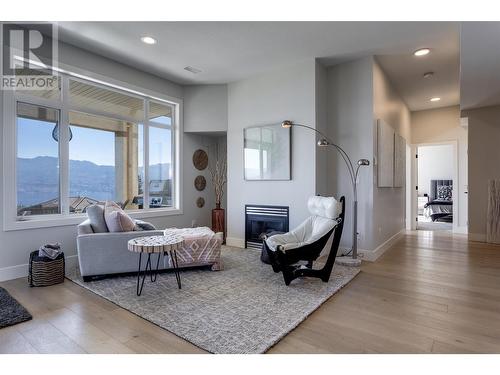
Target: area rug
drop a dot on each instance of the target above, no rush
(246, 308)
(11, 311)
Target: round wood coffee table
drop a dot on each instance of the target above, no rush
(166, 245)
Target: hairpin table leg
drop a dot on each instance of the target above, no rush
(148, 265)
(173, 256)
(154, 275)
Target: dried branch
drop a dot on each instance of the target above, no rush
(218, 171)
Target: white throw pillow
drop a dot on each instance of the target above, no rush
(116, 219)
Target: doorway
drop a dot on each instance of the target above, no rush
(436, 178)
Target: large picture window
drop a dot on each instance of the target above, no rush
(99, 143)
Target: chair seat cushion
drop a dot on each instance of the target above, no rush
(311, 230)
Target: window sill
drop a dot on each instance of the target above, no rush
(62, 221)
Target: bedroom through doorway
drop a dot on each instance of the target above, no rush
(435, 176)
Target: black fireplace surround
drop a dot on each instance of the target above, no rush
(260, 220)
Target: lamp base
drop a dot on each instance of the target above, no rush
(348, 261)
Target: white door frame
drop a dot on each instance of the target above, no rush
(414, 175)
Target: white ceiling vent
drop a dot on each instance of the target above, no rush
(192, 69)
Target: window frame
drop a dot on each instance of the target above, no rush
(10, 99)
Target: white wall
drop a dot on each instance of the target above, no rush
(270, 98)
(359, 93)
(389, 204)
(484, 164)
(205, 108)
(15, 246)
(321, 100)
(434, 163)
(443, 125)
(349, 114)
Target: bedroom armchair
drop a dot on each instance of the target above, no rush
(307, 241)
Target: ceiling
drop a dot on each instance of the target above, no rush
(480, 64)
(230, 51)
(406, 72)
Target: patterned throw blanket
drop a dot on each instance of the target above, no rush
(201, 247)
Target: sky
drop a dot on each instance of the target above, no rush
(34, 138)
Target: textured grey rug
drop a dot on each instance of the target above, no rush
(11, 311)
(244, 309)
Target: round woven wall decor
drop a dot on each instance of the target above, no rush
(200, 160)
(200, 202)
(200, 183)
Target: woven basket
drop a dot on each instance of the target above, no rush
(45, 271)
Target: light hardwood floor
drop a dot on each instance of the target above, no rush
(430, 293)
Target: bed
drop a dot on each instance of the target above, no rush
(440, 204)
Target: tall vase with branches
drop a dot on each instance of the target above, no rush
(217, 167)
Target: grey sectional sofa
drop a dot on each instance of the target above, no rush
(101, 254)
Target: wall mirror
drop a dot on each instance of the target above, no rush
(267, 153)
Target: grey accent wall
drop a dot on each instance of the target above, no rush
(484, 161)
(270, 98)
(350, 117)
(359, 93)
(205, 108)
(389, 204)
(321, 100)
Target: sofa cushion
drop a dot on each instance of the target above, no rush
(143, 225)
(116, 219)
(95, 214)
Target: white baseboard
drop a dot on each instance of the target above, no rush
(461, 230)
(235, 242)
(373, 255)
(368, 255)
(21, 270)
(13, 272)
(477, 237)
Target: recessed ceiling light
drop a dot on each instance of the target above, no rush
(422, 52)
(148, 40)
(192, 69)
(428, 75)
(436, 99)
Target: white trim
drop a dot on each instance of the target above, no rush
(461, 230)
(235, 242)
(21, 270)
(145, 158)
(368, 255)
(9, 158)
(456, 201)
(64, 190)
(477, 237)
(47, 221)
(13, 272)
(87, 75)
(373, 255)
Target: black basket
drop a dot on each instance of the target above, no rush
(45, 271)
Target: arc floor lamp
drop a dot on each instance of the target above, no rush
(353, 174)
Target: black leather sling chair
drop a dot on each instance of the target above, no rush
(306, 242)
